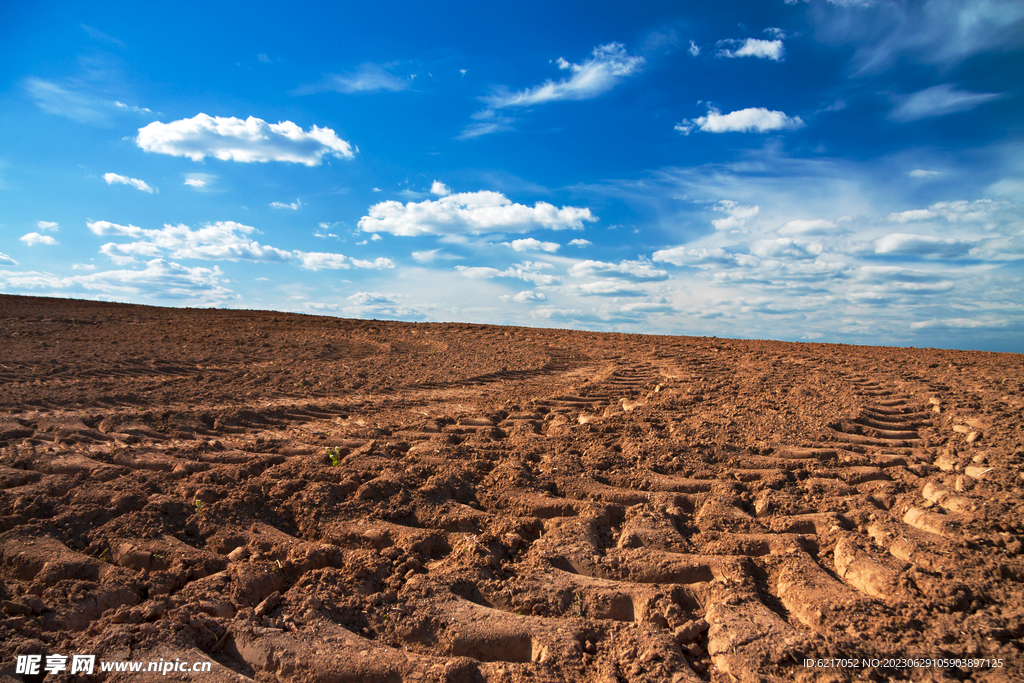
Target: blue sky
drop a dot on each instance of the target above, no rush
(832, 170)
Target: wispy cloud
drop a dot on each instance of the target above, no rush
(367, 78)
(47, 225)
(606, 68)
(759, 120)
(99, 35)
(474, 213)
(249, 140)
(6, 260)
(294, 206)
(938, 100)
(115, 179)
(933, 31)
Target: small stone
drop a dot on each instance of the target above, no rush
(973, 436)
(238, 554)
(977, 472)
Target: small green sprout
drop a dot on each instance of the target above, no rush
(199, 506)
(334, 455)
(279, 566)
(105, 555)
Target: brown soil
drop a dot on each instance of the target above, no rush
(508, 505)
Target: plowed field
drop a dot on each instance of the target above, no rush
(298, 498)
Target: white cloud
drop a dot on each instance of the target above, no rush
(580, 243)
(939, 100)
(113, 178)
(530, 271)
(806, 227)
(222, 241)
(606, 68)
(607, 287)
(626, 270)
(432, 255)
(694, 49)
(784, 247)
(47, 225)
(82, 266)
(904, 244)
(158, 280)
(200, 181)
(251, 140)
(754, 47)
(294, 206)
(531, 244)
(34, 238)
(365, 79)
(736, 217)
(440, 189)
(475, 213)
(748, 120)
(922, 173)
(911, 215)
(327, 261)
(528, 296)
(375, 305)
(6, 260)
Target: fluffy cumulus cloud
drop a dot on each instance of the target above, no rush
(475, 213)
(221, 241)
(752, 47)
(251, 140)
(938, 100)
(115, 179)
(751, 120)
(531, 244)
(609, 65)
(34, 238)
